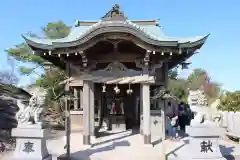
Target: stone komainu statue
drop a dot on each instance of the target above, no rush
(33, 113)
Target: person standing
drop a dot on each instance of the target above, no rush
(190, 114)
(172, 118)
(182, 117)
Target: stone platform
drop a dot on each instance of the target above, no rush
(124, 145)
(30, 143)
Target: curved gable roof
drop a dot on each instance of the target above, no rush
(152, 32)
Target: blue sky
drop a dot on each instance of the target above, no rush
(219, 56)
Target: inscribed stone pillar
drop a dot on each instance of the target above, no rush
(86, 112)
(146, 113)
(91, 105)
(76, 99)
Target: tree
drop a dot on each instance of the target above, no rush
(230, 102)
(33, 64)
(172, 74)
(22, 53)
(179, 89)
(199, 79)
(177, 86)
(7, 77)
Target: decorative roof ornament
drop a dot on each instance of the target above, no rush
(115, 14)
(157, 22)
(77, 23)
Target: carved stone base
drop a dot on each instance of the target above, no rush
(204, 142)
(147, 139)
(86, 140)
(30, 144)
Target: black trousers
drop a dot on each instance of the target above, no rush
(182, 123)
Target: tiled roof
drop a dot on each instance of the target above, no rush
(151, 31)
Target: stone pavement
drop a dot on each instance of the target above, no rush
(123, 145)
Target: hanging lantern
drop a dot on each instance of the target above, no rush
(104, 88)
(180, 51)
(116, 89)
(129, 90)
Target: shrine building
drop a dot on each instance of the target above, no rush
(115, 65)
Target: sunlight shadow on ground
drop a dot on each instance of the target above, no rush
(85, 154)
(106, 133)
(117, 138)
(172, 152)
(227, 152)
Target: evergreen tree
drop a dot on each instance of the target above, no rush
(33, 64)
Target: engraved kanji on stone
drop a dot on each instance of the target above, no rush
(206, 146)
(28, 147)
(155, 122)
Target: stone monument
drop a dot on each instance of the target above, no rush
(30, 135)
(204, 142)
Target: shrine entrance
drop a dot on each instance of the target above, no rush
(114, 62)
(117, 107)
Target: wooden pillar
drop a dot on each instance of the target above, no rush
(146, 113)
(164, 118)
(165, 70)
(67, 112)
(86, 113)
(136, 108)
(91, 105)
(76, 98)
(141, 110)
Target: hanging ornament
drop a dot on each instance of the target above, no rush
(129, 90)
(116, 89)
(104, 88)
(180, 51)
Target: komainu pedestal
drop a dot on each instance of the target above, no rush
(30, 143)
(204, 143)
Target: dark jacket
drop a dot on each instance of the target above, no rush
(172, 111)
